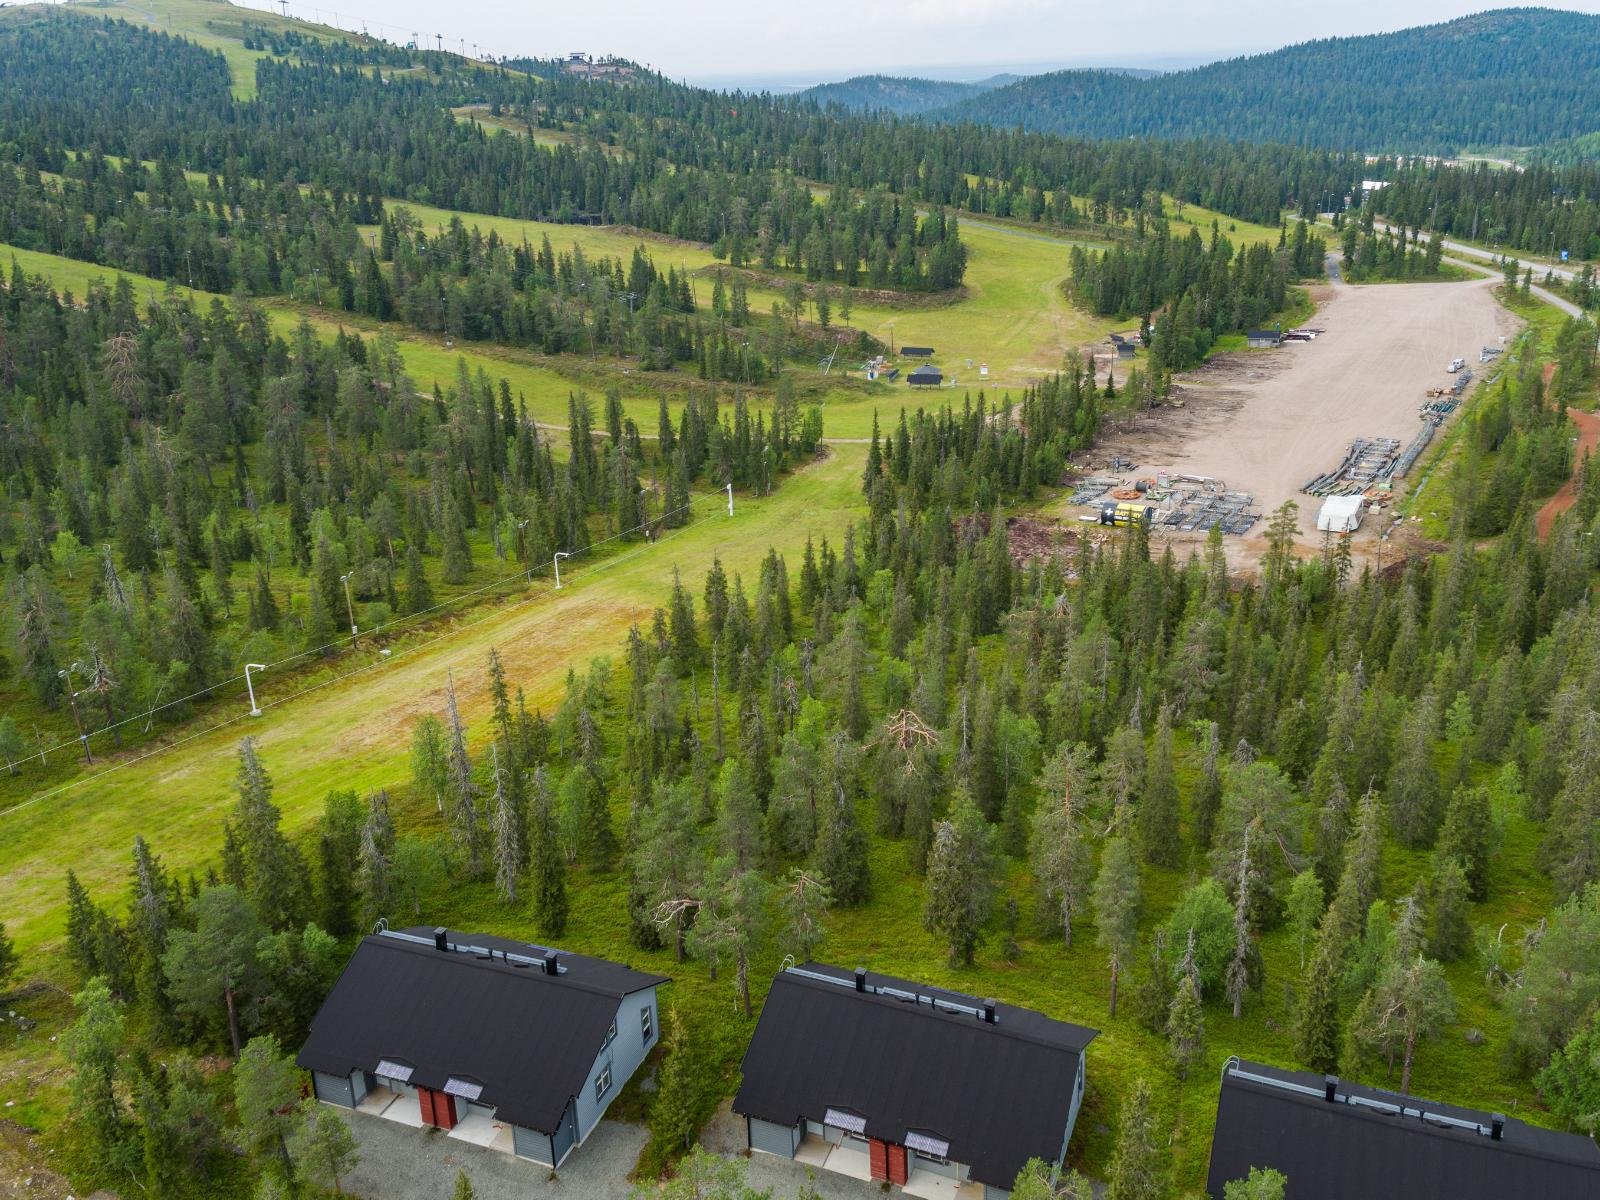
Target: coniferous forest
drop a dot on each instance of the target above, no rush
(1331, 814)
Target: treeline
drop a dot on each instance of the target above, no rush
(1517, 443)
(202, 487)
(678, 160)
(1542, 209)
(1398, 253)
(235, 235)
(1481, 81)
(1195, 292)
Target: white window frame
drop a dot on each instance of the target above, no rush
(602, 1082)
(647, 1022)
(611, 1035)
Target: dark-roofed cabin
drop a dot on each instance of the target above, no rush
(496, 1042)
(1263, 339)
(925, 377)
(1337, 1141)
(916, 351)
(882, 1079)
(1125, 350)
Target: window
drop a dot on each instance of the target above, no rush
(611, 1035)
(647, 1022)
(602, 1085)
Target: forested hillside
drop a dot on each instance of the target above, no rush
(1510, 77)
(900, 95)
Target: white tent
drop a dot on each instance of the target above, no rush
(1341, 514)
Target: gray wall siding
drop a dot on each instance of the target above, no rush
(773, 1138)
(990, 1192)
(567, 1136)
(335, 1089)
(626, 1051)
(530, 1143)
(360, 1085)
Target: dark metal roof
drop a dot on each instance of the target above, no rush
(1271, 335)
(999, 1094)
(1331, 1150)
(925, 375)
(528, 1037)
(916, 351)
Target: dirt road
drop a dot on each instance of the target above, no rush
(1588, 438)
(1267, 421)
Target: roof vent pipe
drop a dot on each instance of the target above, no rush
(988, 1012)
(861, 979)
(1330, 1088)
(550, 960)
(1497, 1126)
(440, 933)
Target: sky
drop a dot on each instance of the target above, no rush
(726, 41)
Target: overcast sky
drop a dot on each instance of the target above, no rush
(705, 40)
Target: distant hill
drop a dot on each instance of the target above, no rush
(900, 95)
(1510, 77)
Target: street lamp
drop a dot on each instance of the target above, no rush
(560, 554)
(255, 710)
(350, 607)
(72, 699)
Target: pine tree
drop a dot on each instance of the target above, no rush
(1410, 1003)
(1138, 1169)
(1158, 807)
(960, 885)
(1208, 790)
(547, 865)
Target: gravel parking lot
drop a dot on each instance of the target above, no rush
(400, 1163)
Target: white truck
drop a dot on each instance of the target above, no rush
(1456, 364)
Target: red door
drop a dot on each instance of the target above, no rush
(897, 1164)
(878, 1156)
(437, 1108)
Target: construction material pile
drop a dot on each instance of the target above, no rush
(1368, 461)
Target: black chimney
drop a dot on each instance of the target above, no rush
(440, 933)
(861, 979)
(1497, 1126)
(988, 1012)
(550, 960)
(1330, 1088)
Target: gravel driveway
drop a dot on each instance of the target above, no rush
(400, 1163)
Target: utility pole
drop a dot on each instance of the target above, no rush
(560, 554)
(72, 700)
(730, 499)
(255, 709)
(522, 548)
(350, 607)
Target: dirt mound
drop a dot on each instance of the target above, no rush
(1588, 438)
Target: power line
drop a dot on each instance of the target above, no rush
(361, 670)
(525, 574)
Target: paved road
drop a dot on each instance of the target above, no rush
(1479, 252)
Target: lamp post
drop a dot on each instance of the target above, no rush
(72, 700)
(255, 709)
(349, 607)
(560, 554)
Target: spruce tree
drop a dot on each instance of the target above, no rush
(1138, 1168)
(1185, 1017)
(276, 881)
(1467, 835)
(841, 853)
(1450, 929)
(1118, 903)
(456, 559)
(547, 865)
(961, 880)
(418, 594)
(466, 823)
(1158, 806)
